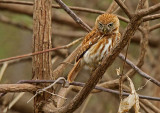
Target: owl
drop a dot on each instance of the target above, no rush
(97, 43)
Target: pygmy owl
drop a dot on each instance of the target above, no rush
(97, 43)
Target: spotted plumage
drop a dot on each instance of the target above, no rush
(97, 43)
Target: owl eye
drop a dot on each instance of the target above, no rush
(100, 24)
(110, 24)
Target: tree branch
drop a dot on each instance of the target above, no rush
(143, 74)
(154, 27)
(30, 54)
(73, 15)
(124, 8)
(54, 6)
(149, 10)
(17, 88)
(151, 17)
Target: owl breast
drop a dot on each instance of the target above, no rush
(96, 53)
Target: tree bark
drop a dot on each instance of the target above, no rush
(41, 63)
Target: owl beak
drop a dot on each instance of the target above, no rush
(106, 30)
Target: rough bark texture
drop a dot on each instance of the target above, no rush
(41, 41)
(17, 87)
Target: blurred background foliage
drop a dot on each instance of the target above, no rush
(17, 41)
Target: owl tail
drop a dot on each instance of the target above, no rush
(75, 70)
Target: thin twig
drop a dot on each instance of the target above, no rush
(13, 102)
(113, 7)
(31, 54)
(124, 8)
(154, 27)
(122, 73)
(140, 5)
(40, 52)
(145, 108)
(151, 106)
(73, 15)
(140, 71)
(4, 67)
(151, 17)
(48, 87)
(54, 6)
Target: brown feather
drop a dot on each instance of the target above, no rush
(85, 46)
(75, 70)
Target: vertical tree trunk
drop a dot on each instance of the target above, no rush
(41, 64)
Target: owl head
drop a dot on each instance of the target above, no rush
(107, 23)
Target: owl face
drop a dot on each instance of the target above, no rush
(105, 28)
(107, 23)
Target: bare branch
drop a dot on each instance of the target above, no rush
(145, 108)
(151, 106)
(140, 5)
(4, 67)
(124, 8)
(17, 88)
(113, 7)
(13, 102)
(140, 71)
(151, 17)
(154, 27)
(40, 52)
(73, 15)
(149, 10)
(31, 54)
(55, 6)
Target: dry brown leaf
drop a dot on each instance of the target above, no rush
(132, 100)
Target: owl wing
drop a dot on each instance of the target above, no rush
(89, 36)
(87, 43)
